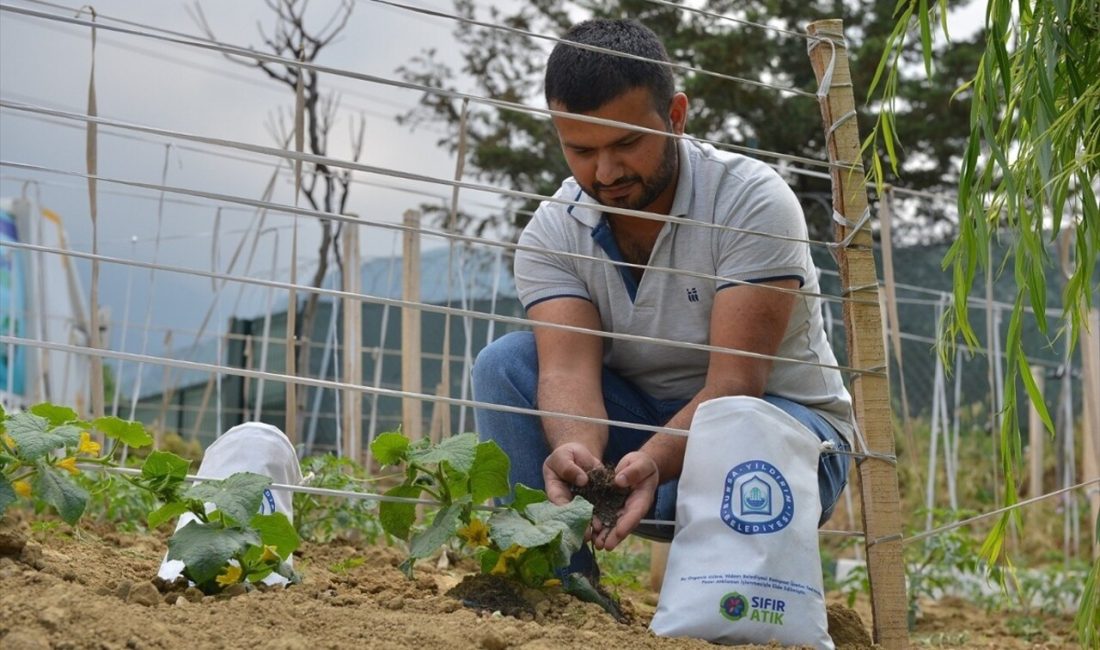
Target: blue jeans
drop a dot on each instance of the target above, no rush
(506, 373)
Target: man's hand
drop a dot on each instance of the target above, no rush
(566, 466)
(637, 471)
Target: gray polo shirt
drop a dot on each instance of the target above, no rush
(714, 187)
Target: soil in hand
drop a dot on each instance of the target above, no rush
(606, 497)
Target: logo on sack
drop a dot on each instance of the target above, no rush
(267, 506)
(757, 499)
(733, 606)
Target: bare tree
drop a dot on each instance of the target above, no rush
(324, 188)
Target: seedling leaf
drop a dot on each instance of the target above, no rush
(7, 493)
(547, 521)
(443, 528)
(128, 433)
(398, 518)
(536, 565)
(166, 512)
(489, 474)
(206, 549)
(54, 414)
(238, 496)
(525, 496)
(389, 448)
(58, 490)
(276, 530)
(163, 472)
(457, 451)
(34, 437)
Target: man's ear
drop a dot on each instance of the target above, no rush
(677, 113)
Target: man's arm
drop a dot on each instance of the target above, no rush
(753, 318)
(570, 381)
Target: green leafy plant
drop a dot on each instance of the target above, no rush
(458, 473)
(529, 542)
(225, 542)
(323, 518)
(533, 539)
(1029, 170)
(40, 449)
(940, 562)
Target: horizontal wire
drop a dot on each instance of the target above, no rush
(347, 219)
(914, 538)
(194, 41)
(240, 337)
(993, 513)
(441, 197)
(321, 383)
(379, 497)
(300, 489)
(386, 171)
(262, 82)
(368, 496)
(740, 21)
(26, 180)
(227, 156)
(440, 309)
(593, 48)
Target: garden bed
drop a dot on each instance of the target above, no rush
(89, 587)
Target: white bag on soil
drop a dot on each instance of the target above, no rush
(744, 565)
(250, 447)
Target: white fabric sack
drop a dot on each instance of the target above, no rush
(744, 565)
(250, 447)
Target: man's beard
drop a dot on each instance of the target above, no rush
(652, 187)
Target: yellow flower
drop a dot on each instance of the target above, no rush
(513, 553)
(22, 488)
(231, 575)
(476, 534)
(69, 465)
(552, 582)
(270, 553)
(87, 445)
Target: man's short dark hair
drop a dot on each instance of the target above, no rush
(583, 80)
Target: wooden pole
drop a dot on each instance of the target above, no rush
(870, 392)
(411, 415)
(440, 426)
(352, 358)
(658, 562)
(1090, 429)
(1037, 434)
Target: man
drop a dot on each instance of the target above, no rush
(750, 308)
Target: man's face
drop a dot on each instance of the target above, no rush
(623, 168)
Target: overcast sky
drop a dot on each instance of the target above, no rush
(181, 88)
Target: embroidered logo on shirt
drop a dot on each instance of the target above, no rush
(693, 295)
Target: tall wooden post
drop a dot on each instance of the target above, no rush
(352, 418)
(870, 392)
(411, 413)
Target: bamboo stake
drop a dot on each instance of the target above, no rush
(880, 501)
(411, 415)
(1090, 430)
(353, 356)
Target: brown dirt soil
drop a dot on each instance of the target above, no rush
(90, 588)
(606, 497)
